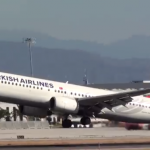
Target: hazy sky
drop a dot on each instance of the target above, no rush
(103, 21)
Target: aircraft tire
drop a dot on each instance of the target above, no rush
(66, 123)
(85, 121)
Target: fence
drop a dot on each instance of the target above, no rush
(11, 125)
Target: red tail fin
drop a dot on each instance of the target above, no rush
(148, 96)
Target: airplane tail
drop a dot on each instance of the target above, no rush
(85, 79)
(148, 96)
(147, 100)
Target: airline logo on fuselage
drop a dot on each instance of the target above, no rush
(26, 81)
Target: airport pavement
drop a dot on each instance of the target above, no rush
(77, 133)
(146, 147)
(73, 133)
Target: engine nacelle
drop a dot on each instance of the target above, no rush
(34, 111)
(64, 105)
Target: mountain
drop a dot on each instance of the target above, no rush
(62, 64)
(43, 40)
(137, 46)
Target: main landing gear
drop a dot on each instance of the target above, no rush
(85, 121)
(67, 123)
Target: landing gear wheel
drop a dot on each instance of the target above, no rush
(66, 123)
(85, 121)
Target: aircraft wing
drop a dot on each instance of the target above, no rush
(111, 100)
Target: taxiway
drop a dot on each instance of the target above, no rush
(99, 137)
(73, 133)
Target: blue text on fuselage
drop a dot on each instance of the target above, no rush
(26, 81)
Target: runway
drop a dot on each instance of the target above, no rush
(73, 133)
(104, 133)
(99, 147)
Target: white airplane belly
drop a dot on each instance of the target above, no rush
(23, 96)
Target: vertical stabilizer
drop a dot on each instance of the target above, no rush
(85, 78)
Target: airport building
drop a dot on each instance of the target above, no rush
(121, 86)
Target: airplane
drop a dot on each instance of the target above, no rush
(141, 81)
(40, 98)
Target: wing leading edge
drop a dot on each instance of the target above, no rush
(111, 100)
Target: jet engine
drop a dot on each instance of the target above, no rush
(34, 111)
(64, 105)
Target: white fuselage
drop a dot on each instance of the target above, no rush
(28, 90)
